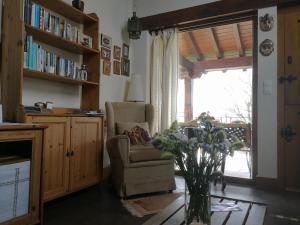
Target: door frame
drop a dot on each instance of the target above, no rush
(225, 20)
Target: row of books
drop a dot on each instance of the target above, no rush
(40, 18)
(39, 59)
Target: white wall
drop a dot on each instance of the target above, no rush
(267, 73)
(148, 8)
(113, 16)
(267, 103)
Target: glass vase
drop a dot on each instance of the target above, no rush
(197, 206)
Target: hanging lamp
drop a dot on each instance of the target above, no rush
(134, 27)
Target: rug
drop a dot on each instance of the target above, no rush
(141, 207)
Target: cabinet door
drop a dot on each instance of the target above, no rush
(56, 160)
(292, 56)
(292, 151)
(86, 149)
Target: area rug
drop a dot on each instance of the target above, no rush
(141, 207)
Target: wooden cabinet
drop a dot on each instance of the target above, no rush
(56, 162)
(85, 142)
(25, 141)
(72, 154)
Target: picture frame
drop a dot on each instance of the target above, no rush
(105, 53)
(117, 52)
(106, 41)
(125, 67)
(125, 51)
(106, 67)
(117, 68)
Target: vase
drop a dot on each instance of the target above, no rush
(197, 205)
(78, 4)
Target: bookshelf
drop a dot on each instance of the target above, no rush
(13, 72)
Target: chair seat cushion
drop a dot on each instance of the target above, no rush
(141, 153)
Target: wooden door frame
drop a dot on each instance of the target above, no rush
(225, 20)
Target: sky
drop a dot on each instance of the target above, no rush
(222, 94)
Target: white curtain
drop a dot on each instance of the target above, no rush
(164, 78)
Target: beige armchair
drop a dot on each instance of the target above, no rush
(136, 169)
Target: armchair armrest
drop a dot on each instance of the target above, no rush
(118, 148)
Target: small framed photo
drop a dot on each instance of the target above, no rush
(105, 53)
(117, 52)
(117, 68)
(106, 67)
(106, 41)
(125, 51)
(125, 67)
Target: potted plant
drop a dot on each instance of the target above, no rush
(199, 159)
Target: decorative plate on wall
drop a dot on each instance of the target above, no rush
(266, 22)
(266, 47)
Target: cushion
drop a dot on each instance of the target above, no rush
(141, 153)
(138, 133)
(123, 126)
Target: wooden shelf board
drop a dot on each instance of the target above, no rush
(59, 42)
(54, 77)
(66, 10)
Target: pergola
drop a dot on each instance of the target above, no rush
(216, 48)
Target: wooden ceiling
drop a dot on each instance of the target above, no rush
(216, 47)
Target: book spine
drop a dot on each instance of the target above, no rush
(41, 18)
(30, 52)
(37, 18)
(33, 14)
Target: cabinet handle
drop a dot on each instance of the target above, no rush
(72, 153)
(68, 154)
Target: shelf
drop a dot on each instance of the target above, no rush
(57, 78)
(66, 10)
(58, 42)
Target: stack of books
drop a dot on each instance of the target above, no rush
(40, 18)
(39, 59)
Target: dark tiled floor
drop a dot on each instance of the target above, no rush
(100, 206)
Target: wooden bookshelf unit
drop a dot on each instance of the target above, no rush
(13, 73)
(73, 141)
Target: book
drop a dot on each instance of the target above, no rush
(39, 17)
(37, 58)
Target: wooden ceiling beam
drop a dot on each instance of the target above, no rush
(214, 42)
(222, 64)
(195, 47)
(205, 11)
(237, 37)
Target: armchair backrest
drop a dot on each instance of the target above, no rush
(127, 112)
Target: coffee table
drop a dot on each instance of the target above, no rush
(252, 214)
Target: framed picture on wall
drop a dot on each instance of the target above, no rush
(125, 67)
(117, 52)
(106, 41)
(106, 67)
(117, 68)
(125, 51)
(105, 53)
